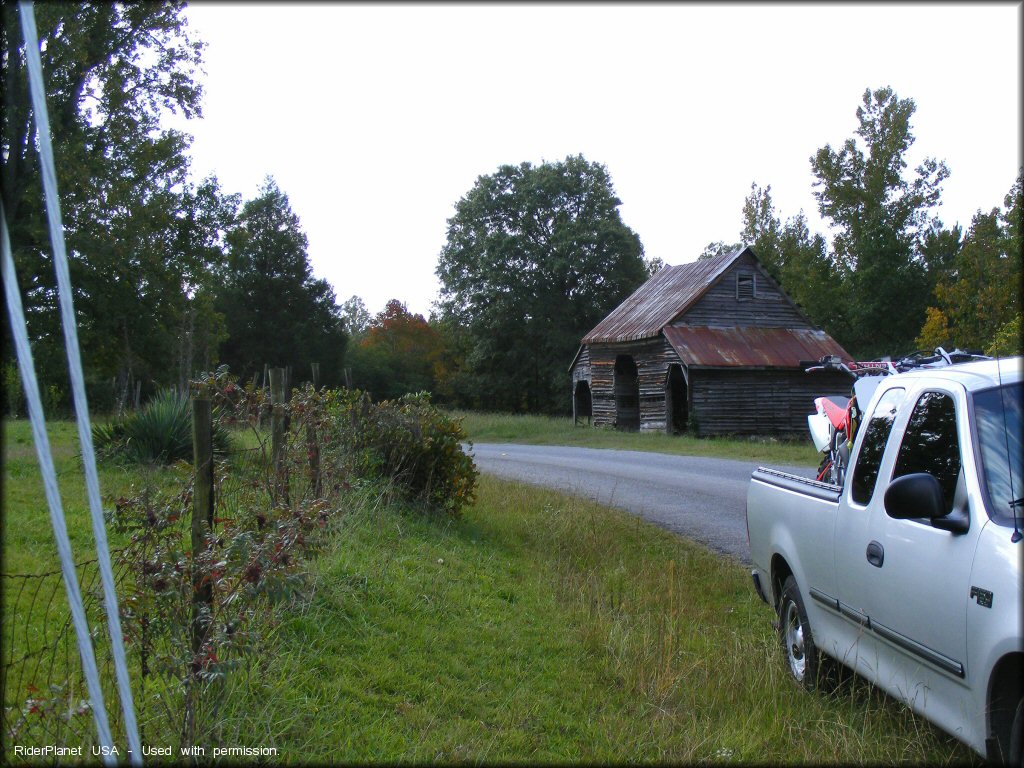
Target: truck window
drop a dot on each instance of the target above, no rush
(930, 443)
(875, 437)
(997, 415)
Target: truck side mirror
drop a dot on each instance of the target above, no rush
(915, 495)
(919, 495)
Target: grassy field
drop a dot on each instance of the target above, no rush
(538, 628)
(552, 430)
(546, 629)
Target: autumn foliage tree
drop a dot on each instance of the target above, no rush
(400, 353)
(977, 294)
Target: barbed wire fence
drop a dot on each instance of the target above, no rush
(42, 681)
(45, 695)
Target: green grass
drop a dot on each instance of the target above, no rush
(27, 532)
(538, 628)
(553, 430)
(542, 628)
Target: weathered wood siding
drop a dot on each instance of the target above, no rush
(769, 308)
(581, 368)
(721, 400)
(758, 401)
(652, 359)
(580, 372)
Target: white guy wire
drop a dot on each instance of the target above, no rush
(60, 260)
(60, 530)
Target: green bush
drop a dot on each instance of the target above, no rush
(158, 433)
(409, 443)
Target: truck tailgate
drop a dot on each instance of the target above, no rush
(794, 518)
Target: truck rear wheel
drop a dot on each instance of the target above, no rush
(796, 637)
(1017, 738)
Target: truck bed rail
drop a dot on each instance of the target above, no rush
(797, 484)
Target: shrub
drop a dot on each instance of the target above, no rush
(409, 443)
(158, 433)
(252, 559)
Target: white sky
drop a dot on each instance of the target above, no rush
(376, 119)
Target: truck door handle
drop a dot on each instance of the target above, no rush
(876, 554)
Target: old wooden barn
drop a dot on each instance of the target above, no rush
(713, 346)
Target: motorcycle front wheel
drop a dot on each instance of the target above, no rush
(824, 469)
(838, 457)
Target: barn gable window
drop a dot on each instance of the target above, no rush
(746, 288)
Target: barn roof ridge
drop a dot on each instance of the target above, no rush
(665, 296)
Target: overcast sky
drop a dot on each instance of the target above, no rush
(376, 119)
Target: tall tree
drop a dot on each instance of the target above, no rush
(879, 217)
(796, 259)
(276, 311)
(535, 257)
(112, 72)
(357, 318)
(762, 229)
(717, 248)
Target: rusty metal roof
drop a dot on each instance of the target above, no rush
(660, 300)
(767, 347)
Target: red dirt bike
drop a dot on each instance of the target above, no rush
(834, 423)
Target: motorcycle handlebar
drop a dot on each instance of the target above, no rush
(853, 369)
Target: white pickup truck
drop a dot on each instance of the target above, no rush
(910, 573)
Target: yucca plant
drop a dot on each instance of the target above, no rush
(158, 433)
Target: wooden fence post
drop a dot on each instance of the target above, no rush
(316, 375)
(202, 523)
(289, 386)
(266, 388)
(278, 431)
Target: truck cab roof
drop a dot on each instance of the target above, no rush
(974, 376)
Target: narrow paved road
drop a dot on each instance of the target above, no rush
(701, 498)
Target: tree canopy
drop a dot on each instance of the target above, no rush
(976, 298)
(795, 258)
(276, 312)
(400, 352)
(880, 218)
(895, 278)
(535, 257)
(356, 316)
(142, 238)
(168, 273)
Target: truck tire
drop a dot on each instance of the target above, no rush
(1017, 738)
(795, 635)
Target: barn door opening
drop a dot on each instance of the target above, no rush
(677, 407)
(627, 394)
(582, 403)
